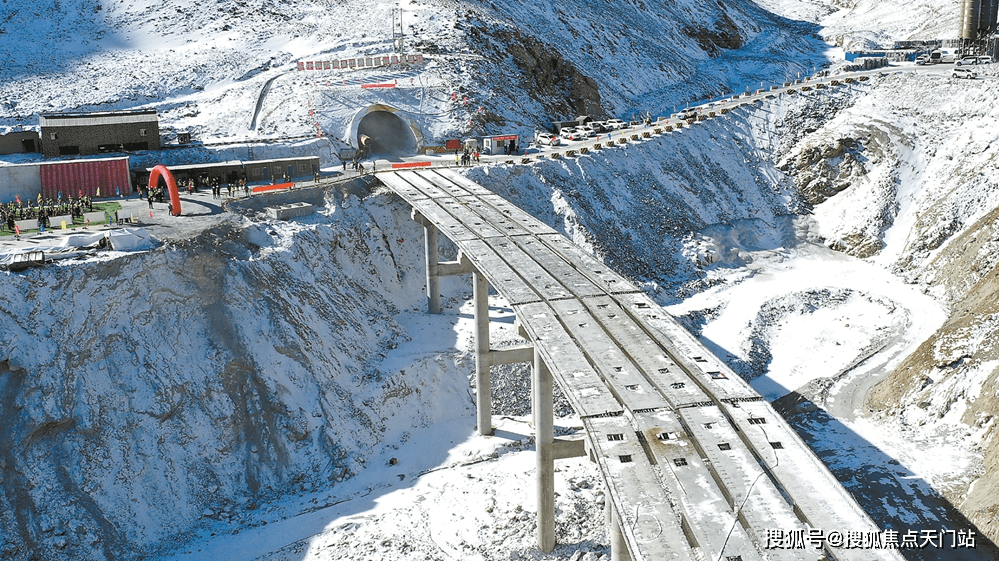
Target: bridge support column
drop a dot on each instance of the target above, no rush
(619, 548)
(433, 280)
(483, 382)
(544, 442)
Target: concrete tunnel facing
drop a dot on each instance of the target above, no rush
(384, 131)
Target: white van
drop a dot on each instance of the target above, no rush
(948, 55)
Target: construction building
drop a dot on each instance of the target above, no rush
(84, 134)
(19, 142)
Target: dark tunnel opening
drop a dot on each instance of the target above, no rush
(387, 134)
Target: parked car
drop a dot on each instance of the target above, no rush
(615, 124)
(922, 59)
(964, 73)
(547, 139)
(984, 60)
(570, 134)
(586, 130)
(597, 126)
(967, 60)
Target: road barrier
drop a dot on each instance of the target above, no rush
(404, 165)
(584, 150)
(275, 187)
(25, 225)
(622, 141)
(525, 160)
(57, 221)
(570, 153)
(598, 146)
(94, 217)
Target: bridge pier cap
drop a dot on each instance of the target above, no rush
(386, 125)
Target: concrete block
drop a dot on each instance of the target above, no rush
(289, 211)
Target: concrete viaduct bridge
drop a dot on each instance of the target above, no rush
(697, 465)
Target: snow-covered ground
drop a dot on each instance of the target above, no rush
(273, 390)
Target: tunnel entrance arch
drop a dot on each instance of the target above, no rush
(386, 130)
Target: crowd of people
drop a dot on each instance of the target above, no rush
(42, 209)
(467, 157)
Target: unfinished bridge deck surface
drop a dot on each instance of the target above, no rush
(697, 465)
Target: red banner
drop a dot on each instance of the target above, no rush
(367, 86)
(412, 165)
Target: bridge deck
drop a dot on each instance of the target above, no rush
(692, 457)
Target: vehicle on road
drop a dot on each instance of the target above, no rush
(586, 130)
(967, 60)
(570, 134)
(547, 139)
(615, 124)
(964, 73)
(597, 126)
(922, 59)
(984, 60)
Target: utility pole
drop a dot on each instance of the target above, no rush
(397, 34)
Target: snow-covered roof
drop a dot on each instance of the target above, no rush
(93, 119)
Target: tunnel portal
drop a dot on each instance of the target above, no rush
(387, 133)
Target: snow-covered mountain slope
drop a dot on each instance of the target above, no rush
(242, 377)
(203, 65)
(906, 177)
(863, 24)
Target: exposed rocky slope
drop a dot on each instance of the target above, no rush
(146, 392)
(916, 190)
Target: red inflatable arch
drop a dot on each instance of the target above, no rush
(154, 178)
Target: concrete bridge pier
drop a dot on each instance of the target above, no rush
(483, 379)
(544, 445)
(484, 356)
(619, 548)
(432, 256)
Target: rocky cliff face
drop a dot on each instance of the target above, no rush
(912, 184)
(143, 393)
